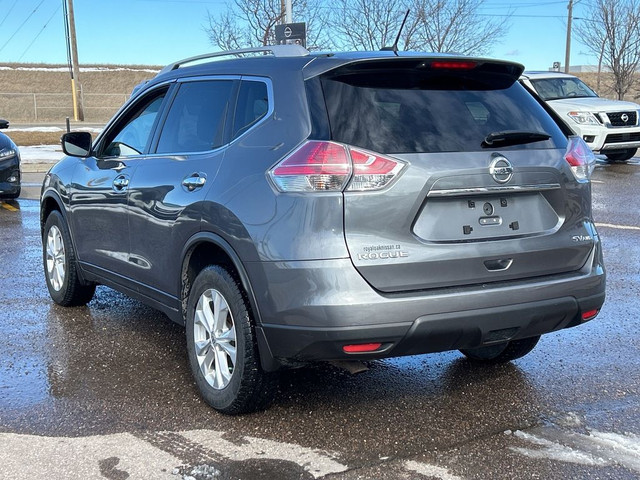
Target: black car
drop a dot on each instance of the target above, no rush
(9, 165)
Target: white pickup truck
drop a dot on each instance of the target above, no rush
(609, 127)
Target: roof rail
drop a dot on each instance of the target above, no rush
(274, 50)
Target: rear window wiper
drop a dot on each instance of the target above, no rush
(513, 137)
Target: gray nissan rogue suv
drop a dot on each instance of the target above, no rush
(289, 207)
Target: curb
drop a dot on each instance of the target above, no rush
(36, 167)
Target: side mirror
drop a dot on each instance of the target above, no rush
(4, 123)
(77, 144)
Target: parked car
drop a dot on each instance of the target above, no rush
(609, 127)
(290, 207)
(9, 165)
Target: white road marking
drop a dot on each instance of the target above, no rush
(618, 227)
(31, 456)
(317, 463)
(430, 470)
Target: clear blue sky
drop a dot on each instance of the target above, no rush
(157, 32)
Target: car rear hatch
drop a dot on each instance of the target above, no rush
(469, 203)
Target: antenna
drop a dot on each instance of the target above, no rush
(394, 47)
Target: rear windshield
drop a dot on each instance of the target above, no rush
(406, 112)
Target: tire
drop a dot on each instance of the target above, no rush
(221, 345)
(621, 155)
(502, 352)
(60, 268)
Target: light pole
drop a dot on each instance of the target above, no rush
(567, 53)
(72, 57)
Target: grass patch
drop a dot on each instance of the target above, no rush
(26, 139)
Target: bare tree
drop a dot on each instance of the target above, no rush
(367, 24)
(250, 23)
(611, 30)
(244, 23)
(436, 25)
(455, 26)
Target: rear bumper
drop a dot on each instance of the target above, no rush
(312, 309)
(431, 333)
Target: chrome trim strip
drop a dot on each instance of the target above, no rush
(620, 146)
(460, 192)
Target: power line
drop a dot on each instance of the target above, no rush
(65, 14)
(517, 16)
(8, 13)
(22, 25)
(41, 30)
(516, 6)
(207, 2)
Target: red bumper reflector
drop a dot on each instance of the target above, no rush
(363, 347)
(589, 314)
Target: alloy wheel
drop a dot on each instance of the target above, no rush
(56, 258)
(214, 336)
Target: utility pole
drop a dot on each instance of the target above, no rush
(72, 50)
(567, 52)
(285, 12)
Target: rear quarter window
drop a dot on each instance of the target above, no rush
(252, 106)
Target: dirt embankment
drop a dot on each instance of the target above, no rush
(42, 93)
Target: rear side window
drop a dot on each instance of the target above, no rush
(416, 112)
(252, 106)
(196, 118)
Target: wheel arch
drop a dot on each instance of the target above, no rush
(207, 248)
(50, 201)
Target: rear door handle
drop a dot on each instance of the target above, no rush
(194, 181)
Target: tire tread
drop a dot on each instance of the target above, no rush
(74, 293)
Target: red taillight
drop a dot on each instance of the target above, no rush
(453, 65)
(580, 158)
(372, 171)
(319, 166)
(361, 348)
(315, 166)
(589, 314)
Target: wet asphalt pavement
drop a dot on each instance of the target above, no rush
(104, 391)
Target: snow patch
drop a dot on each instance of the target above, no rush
(595, 448)
(41, 154)
(430, 470)
(53, 129)
(82, 69)
(621, 449)
(556, 451)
